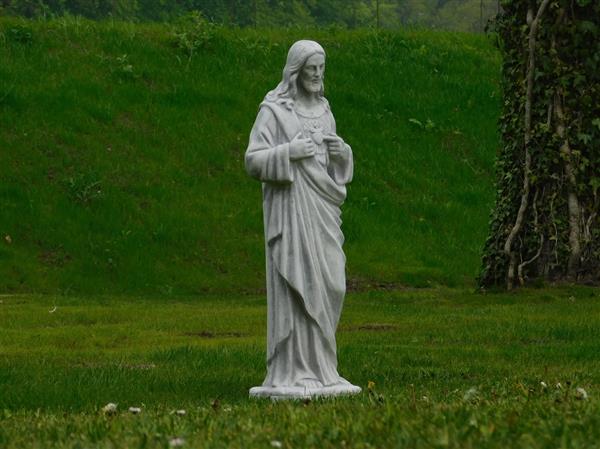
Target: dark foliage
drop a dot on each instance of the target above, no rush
(464, 15)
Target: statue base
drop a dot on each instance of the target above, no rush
(282, 393)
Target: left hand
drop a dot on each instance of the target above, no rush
(335, 145)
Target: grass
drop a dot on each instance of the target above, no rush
(122, 157)
(448, 368)
(132, 249)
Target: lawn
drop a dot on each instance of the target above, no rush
(439, 368)
(132, 249)
(122, 154)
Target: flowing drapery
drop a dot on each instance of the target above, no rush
(305, 263)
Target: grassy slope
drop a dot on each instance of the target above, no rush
(122, 161)
(164, 354)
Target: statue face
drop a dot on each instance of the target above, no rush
(311, 74)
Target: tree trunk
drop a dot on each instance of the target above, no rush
(548, 170)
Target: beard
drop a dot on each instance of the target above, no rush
(312, 87)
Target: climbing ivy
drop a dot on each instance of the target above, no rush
(545, 223)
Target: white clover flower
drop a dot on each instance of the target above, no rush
(135, 410)
(559, 386)
(276, 443)
(180, 412)
(110, 408)
(581, 394)
(470, 394)
(176, 442)
(544, 384)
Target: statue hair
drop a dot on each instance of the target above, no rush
(299, 52)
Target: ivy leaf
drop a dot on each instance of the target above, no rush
(588, 27)
(585, 138)
(595, 184)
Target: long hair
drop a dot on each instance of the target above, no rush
(286, 90)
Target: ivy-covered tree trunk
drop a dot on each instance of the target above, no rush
(545, 223)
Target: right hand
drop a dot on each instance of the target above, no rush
(301, 148)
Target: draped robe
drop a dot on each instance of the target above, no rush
(306, 280)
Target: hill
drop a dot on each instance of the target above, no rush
(122, 145)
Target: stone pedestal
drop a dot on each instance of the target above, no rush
(282, 393)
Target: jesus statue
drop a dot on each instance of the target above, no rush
(304, 167)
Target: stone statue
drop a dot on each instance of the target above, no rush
(304, 167)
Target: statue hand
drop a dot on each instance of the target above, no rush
(335, 145)
(301, 148)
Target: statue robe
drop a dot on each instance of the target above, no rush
(306, 280)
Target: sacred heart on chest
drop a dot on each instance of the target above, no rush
(315, 130)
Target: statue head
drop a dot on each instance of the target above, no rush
(303, 69)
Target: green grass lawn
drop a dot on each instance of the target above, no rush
(449, 368)
(121, 173)
(121, 158)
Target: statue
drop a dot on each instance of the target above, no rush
(304, 167)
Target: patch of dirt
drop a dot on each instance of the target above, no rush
(355, 285)
(377, 327)
(94, 365)
(55, 257)
(142, 366)
(210, 334)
